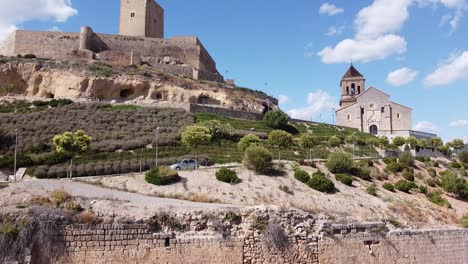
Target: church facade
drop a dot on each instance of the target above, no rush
(371, 111)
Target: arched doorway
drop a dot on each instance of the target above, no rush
(374, 130)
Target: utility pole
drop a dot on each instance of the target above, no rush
(334, 116)
(16, 149)
(157, 143)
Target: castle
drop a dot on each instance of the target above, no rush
(371, 111)
(140, 41)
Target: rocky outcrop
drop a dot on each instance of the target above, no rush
(55, 79)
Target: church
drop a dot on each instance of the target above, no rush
(370, 110)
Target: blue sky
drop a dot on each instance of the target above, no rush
(301, 48)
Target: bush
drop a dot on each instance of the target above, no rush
(394, 167)
(423, 159)
(276, 119)
(248, 141)
(389, 160)
(218, 130)
(29, 56)
(455, 165)
(258, 159)
(407, 159)
(450, 182)
(464, 221)
(301, 175)
(362, 173)
(408, 175)
(226, 175)
(372, 189)
(344, 178)
(321, 183)
(432, 172)
(463, 156)
(405, 186)
(423, 189)
(389, 187)
(334, 141)
(339, 162)
(161, 176)
(436, 198)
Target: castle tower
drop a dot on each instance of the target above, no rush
(142, 18)
(352, 85)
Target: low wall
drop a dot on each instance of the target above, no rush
(196, 108)
(365, 246)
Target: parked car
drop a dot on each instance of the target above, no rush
(186, 164)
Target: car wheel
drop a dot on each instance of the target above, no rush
(178, 169)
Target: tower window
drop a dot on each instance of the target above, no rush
(359, 89)
(349, 117)
(132, 14)
(347, 90)
(398, 116)
(353, 89)
(382, 109)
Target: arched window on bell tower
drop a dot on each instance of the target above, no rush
(353, 89)
(359, 90)
(347, 90)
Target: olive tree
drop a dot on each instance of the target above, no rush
(195, 136)
(72, 143)
(280, 139)
(307, 141)
(457, 144)
(248, 141)
(436, 142)
(276, 119)
(399, 141)
(412, 141)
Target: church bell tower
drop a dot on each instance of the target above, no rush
(352, 85)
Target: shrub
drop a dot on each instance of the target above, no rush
(8, 229)
(464, 221)
(233, 218)
(334, 141)
(339, 162)
(218, 130)
(372, 189)
(389, 187)
(450, 182)
(161, 176)
(432, 182)
(321, 183)
(248, 141)
(436, 198)
(423, 189)
(276, 119)
(394, 167)
(258, 159)
(226, 175)
(455, 165)
(362, 173)
(423, 159)
(405, 186)
(344, 178)
(29, 56)
(407, 159)
(463, 156)
(286, 189)
(408, 175)
(432, 172)
(389, 160)
(274, 236)
(301, 175)
(88, 217)
(59, 197)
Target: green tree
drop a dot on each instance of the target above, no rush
(72, 144)
(422, 143)
(258, 159)
(248, 141)
(218, 129)
(373, 141)
(399, 141)
(412, 141)
(276, 119)
(458, 144)
(307, 141)
(196, 136)
(280, 139)
(384, 141)
(352, 139)
(437, 142)
(334, 141)
(339, 162)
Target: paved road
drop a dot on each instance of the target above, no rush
(95, 192)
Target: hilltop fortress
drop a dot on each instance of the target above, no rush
(140, 41)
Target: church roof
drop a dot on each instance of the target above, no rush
(352, 72)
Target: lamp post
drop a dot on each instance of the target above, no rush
(157, 145)
(16, 148)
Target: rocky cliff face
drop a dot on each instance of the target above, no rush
(55, 79)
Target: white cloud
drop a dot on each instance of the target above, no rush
(330, 9)
(283, 99)
(13, 13)
(335, 30)
(380, 18)
(454, 69)
(55, 29)
(426, 126)
(459, 123)
(364, 50)
(317, 102)
(401, 76)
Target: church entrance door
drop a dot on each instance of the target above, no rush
(374, 130)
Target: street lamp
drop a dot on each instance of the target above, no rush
(16, 148)
(157, 143)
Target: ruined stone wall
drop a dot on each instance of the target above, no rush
(350, 244)
(138, 244)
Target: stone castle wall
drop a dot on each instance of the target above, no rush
(349, 243)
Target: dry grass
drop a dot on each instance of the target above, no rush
(60, 196)
(88, 217)
(409, 210)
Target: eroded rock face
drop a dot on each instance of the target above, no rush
(39, 79)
